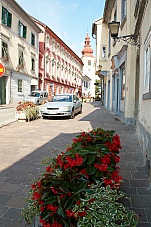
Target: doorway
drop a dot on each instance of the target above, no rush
(2, 90)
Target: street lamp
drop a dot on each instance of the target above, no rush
(132, 39)
(99, 67)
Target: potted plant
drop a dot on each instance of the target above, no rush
(103, 208)
(26, 111)
(92, 157)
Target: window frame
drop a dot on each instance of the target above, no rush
(21, 58)
(22, 30)
(32, 63)
(32, 39)
(20, 85)
(123, 9)
(147, 66)
(104, 57)
(6, 17)
(123, 82)
(2, 51)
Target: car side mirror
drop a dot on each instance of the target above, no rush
(74, 101)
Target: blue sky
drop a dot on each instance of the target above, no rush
(69, 19)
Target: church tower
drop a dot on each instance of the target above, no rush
(89, 76)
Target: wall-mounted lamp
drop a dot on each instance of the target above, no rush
(130, 39)
(99, 67)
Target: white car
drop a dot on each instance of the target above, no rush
(63, 105)
(37, 97)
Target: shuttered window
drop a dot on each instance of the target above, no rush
(32, 39)
(22, 30)
(6, 17)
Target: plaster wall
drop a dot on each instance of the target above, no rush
(144, 115)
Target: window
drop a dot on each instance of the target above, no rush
(20, 85)
(123, 82)
(6, 17)
(147, 67)
(21, 58)
(4, 49)
(103, 52)
(89, 62)
(123, 9)
(109, 44)
(53, 45)
(115, 15)
(32, 64)
(47, 41)
(32, 39)
(22, 30)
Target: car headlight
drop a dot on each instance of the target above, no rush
(65, 108)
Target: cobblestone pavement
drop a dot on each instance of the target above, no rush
(24, 144)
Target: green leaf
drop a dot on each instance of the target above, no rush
(90, 160)
(60, 212)
(91, 170)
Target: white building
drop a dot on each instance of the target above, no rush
(18, 53)
(89, 68)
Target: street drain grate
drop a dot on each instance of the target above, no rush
(116, 119)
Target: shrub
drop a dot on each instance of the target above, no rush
(103, 209)
(29, 109)
(92, 157)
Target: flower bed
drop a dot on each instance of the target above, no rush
(27, 111)
(58, 196)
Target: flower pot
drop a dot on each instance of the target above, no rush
(36, 222)
(21, 115)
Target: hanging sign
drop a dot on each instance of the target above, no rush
(2, 70)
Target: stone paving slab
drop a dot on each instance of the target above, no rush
(25, 144)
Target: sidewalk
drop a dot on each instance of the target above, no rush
(22, 151)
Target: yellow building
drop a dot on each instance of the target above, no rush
(124, 64)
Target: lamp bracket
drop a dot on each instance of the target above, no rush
(130, 39)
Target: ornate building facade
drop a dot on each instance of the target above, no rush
(60, 69)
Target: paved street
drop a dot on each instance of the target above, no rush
(24, 144)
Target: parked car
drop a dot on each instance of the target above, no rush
(37, 97)
(66, 105)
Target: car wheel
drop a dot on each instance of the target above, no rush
(72, 114)
(80, 112)
(44, 117)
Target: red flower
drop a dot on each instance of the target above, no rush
(59, 161)
(54, 191)
(56, 224)
(36, 195)
(106, 159)
(69, 213)
(52, 208)
(82, 214)
(78, 203)
(49, 169)
(68, 149)
(42, 209)
(102, 167)
(74, 140)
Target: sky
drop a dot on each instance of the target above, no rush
(69, 19)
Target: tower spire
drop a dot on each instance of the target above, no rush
(87, 51)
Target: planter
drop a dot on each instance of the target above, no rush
(36, 222)
(21, 115)
(27, 114)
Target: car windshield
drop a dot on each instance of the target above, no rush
(35, 94)
(62, 98)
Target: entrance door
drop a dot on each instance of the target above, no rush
(117, 98)
(2, 90)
